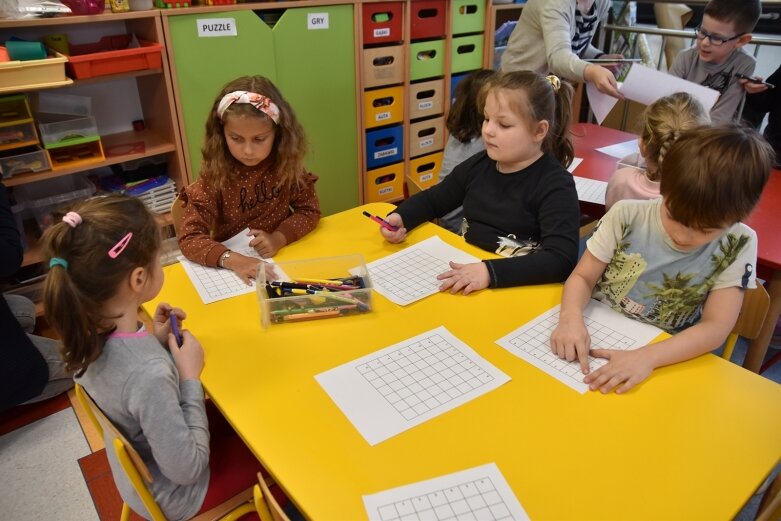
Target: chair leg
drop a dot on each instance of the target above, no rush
(773, 360)
(125, 515)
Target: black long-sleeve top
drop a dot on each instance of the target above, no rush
(770, 101)
(23, 371)
(537, 207)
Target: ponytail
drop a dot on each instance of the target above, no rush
(558, 139)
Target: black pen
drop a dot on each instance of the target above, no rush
(751, 79)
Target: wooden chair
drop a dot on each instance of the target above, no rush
(138, 474)
(266, 506)
(177, 213)
(752, 315)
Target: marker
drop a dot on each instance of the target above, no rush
(615, 60)
(339, 298)
(320, 309)
(175, 329)
(382, 222)
(751, 79)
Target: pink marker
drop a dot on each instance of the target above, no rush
(382, 222)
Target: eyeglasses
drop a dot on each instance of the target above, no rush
(718, 41)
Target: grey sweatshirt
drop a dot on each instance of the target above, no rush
(136, 384)
(553, 23)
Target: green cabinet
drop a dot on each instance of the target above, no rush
(309, 54)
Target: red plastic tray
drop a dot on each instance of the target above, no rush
(111, 56)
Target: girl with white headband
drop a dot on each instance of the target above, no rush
(252, 176)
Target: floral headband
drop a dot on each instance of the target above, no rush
(259, 101)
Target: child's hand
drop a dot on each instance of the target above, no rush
(189, 357)
(267, 244)
(570, 340)
(397, 236)
(753, 88)
(603, 80)
(245, 267)
(465, 277)
(627, 367)
(161, 321)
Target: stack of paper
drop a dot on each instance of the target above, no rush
(161, 198)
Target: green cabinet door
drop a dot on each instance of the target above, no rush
(205, 64)
(316, 73)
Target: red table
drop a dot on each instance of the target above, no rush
(765, 220)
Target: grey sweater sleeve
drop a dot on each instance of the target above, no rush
(173, 419)
(558, 21)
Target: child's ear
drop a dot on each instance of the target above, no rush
(743, 40)
(541, 131)
(138, 279)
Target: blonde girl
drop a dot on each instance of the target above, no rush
(663, 121)
(519, 200)
(104, 260)
(252, 176)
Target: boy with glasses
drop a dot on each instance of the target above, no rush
(718, 58)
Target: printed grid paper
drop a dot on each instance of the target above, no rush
(213, 284)
(480, 493)
(608, 330)
(396, 388)
(590, 190)
(411, 274)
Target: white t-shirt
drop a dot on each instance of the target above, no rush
(647, 278)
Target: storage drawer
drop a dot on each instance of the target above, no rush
(56, 132)
(424, 170)
(426, 99)
(24, 160)
(20, 75)
(467, 16)
(111, 55)
(385, 184)
(383, 66)
(76, 155)
(18, 135)
(383, 106)
(427, 19)
(382, 22)
(384, 146)
(44, 198)
(14, 109)
(426, 136)
(466, 53)
(427, 59)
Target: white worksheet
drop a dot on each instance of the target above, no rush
(621, 150)
(608, 330)
(401, 386)
(645, 85)
(213, 284)
(411, 274)
(480, 493)
(590, 190)
(575, 162)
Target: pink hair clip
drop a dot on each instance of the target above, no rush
(120, 246)
(72, 219)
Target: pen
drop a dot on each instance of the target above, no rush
(751, 79)
(175, 329)
(616, 60)
(382, 222)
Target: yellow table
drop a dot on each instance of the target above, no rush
(692, 442)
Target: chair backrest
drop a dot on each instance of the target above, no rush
(177, 213)
(135, 469)
(87, 404)
(266, 506)
(752, 315)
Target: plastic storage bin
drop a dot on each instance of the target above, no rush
(384, 146)
(466, 53)
(385, 184)
(14, 109)
(21, 75)
(111, 55)
(383, 106)
(281, 309)
(426, 59)
(44, 198)
(18, 135)
(22, 161)
(426, 136)
(424, 170)
(76, 155)
(427, 19)
(58, 132)
(467, 16)
(426, 99)
(383, 66)
(382, 22)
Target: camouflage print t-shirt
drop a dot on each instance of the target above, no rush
(649, 279)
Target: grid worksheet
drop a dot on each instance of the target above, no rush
(608, 330)
(408, 383)
(480, 493)
(411, 274)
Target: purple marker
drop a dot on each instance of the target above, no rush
(175, 329)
